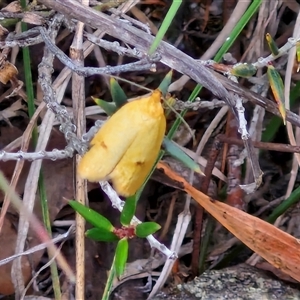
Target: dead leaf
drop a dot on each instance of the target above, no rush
(12, 110)
(277, 247)
(13, 7)
(32, 18)
(8, 238)
(3, 33)
(7, 72)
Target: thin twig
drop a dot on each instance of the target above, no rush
(20, 164)
(31, 156)
(199, 209)
(29, 200)
(238, 12)
(78, 97)
(141, 65)
(39, 247)
(114, 46)
(37, 227)
(28, 38)
(262, 145)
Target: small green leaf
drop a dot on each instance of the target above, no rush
(298, 51)
(121, 256)
(128, 210)
(277, 88)
(109, 108)
(179, 154)
(298, 54)
(243, 70)
(272, 45)
(101, 235)
(91, 216)
(117, 93)
(144, 229)
(164, 85)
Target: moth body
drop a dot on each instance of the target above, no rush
(127, 145)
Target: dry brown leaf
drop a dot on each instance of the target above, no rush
(12, 110)
(33, 18)
(58, 178)
(3, 33)
(13, 7)
(277, 247)
(58, 175)
(7, 72)
(8, 238)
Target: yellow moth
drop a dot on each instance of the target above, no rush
(127, 145)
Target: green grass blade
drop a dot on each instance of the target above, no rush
(252, 9)
(41, 184)
(275, 122)
(165, 25)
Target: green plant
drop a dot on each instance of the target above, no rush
(104, 231)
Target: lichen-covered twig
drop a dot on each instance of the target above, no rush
(144, 64)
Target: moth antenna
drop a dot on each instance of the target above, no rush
(181, 119)
(131, 83)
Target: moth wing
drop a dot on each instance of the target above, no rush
(132, 170)
(109, 145)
